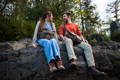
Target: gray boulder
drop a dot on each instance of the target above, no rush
(20, 61)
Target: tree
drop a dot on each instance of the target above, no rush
(18, 16)
(89, 17)
(56, 6)
(3, 4)
(114, 9)
(12, 22)
(21, 14)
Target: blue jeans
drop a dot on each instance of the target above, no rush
(51, 48)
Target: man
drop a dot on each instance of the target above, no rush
(84, 44)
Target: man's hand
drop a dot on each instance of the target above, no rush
(34, 45)
(85, 41)
(64, 38)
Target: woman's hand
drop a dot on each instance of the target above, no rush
(34, 45)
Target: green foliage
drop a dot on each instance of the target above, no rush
(89, 17)
(93, 41)
(107, 38)
(19, 20)
(56, 6)
(13, 30)
(26, 29)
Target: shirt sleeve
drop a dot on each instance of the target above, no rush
(61, 30)
(35, 32)
(78, 30)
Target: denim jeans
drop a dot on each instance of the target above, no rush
(51, 48)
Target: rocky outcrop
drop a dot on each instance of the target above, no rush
(20, 61)
(115, 31)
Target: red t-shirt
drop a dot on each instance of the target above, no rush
(71, 27)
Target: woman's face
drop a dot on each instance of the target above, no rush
(50, 17)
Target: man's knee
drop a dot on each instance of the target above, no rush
(85, 45)
(68, 40)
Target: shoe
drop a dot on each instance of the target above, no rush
(95, 72)
(59, 64)
(73, 65)
(73, 62)
(52, 67)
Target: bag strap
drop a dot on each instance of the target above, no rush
(65, 29)
(51, 24)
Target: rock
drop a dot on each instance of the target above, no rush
(5, 46)
(97, 37)
(114, 26)
(115, 31)
(23, 62)
(12, 45)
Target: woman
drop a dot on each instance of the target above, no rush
(50, 46)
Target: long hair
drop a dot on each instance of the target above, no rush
(42, 23)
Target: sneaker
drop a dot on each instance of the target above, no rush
(73, 62)
(59, 64)
(52, 67)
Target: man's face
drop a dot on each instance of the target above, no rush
(65, 17)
